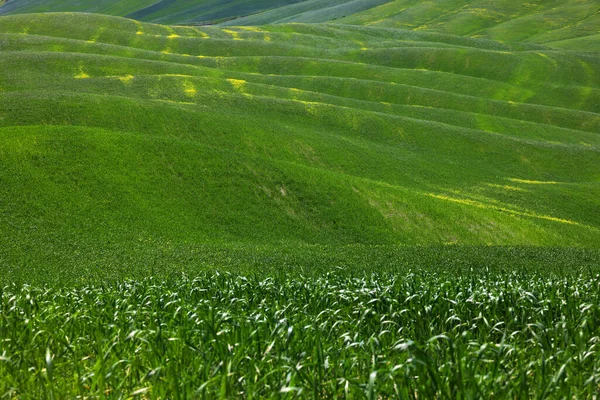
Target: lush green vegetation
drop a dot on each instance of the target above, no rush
(435, 333)
(538, 21)
(569, 24)
(117, 132)
(313, 210)
(308, 11)
(446, 332)
(163, 11)
(103, 6)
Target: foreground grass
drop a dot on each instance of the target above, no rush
(428, 332)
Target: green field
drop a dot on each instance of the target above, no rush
(161, 11)
(429, 332)
(547, 22)
(571, 24)
(382, 199)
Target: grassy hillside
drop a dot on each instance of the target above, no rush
(538, 21)
(163, 11)
(102, 6)
(194, 11)
(570, 24)
(120, 136)
(308, 11)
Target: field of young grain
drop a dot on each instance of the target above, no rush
(485, 333)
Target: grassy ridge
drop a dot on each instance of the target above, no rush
(536, 21)
(565, 24)
(309, 11)
(119, 132)
(192, 11)
(163, 11)
(102, 7)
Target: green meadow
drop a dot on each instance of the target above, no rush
(161, 11)
(313, 199)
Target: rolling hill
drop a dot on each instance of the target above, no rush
(163, 11)
(572, 24)
(120, 138)
(398, 202)
(308, 11)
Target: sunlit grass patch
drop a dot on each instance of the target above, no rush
(81, 74)
(189, 89)
(238, 84)
(234, 34)
(126, 79)
(533, 182)
(506, 187)
(494, 207)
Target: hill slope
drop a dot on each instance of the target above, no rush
(538, 21)
(163, 11)
(571, 24)
(121, 137)
(308, 11)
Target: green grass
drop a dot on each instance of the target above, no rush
(119, 130)
(536, 22)
(102, 7)
(192, 11)
(309, 11)
(571, 24)
(164, 11)
(429, 332)
(332, 210)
